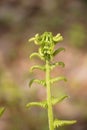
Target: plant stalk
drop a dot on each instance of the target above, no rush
(49, 102)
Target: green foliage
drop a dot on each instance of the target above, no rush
(42, 82)
(57, 100)
(46, 43)
(57, 79)
(37, 67)
(2, 109)
(47, 52)
(36, 55)
(41, 104)
(44, 103)
(52, 66)
(58, 123)
(58, 51)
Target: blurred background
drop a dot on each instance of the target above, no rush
(20, 20)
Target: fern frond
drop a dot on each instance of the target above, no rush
(41, 104)
(59, 99)
(37, 67)
(36, 55)
(58, 79)
(42, 82)
(58, 51)
(52, 66)
(58, 123)
(2, 109)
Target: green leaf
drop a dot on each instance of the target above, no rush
(58, 79)
(2, 109)
(36, 55)
(58, 51)
(59, 99)
(58, 123)
(37, 67)
(41, 104)
(42, 82)
(57, 38)
(56, 64)
(31, 39)
(35, 39)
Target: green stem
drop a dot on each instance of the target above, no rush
(49, 102)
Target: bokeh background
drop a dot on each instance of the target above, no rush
(21, 19)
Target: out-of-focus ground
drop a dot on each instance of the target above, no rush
(21, 19)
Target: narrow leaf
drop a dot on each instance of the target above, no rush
(57, 38)
(2, 109)
(42, 82)
(31, 39)
(58, 79)
(36, 55)
(41, 104)
(59, 99)
(35, 39)
(58, 51)
(56, 64)
(37, 67)
(58, 123)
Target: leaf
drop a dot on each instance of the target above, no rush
(2, 109)
(37, 67)
(58, 123)
(35, 39)
(58, 51)
(56, 64)
(58, 79)
(57, 38)
(31, 39)
(59, 99)
(42, 82)
(41, 104)
(36, 55)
